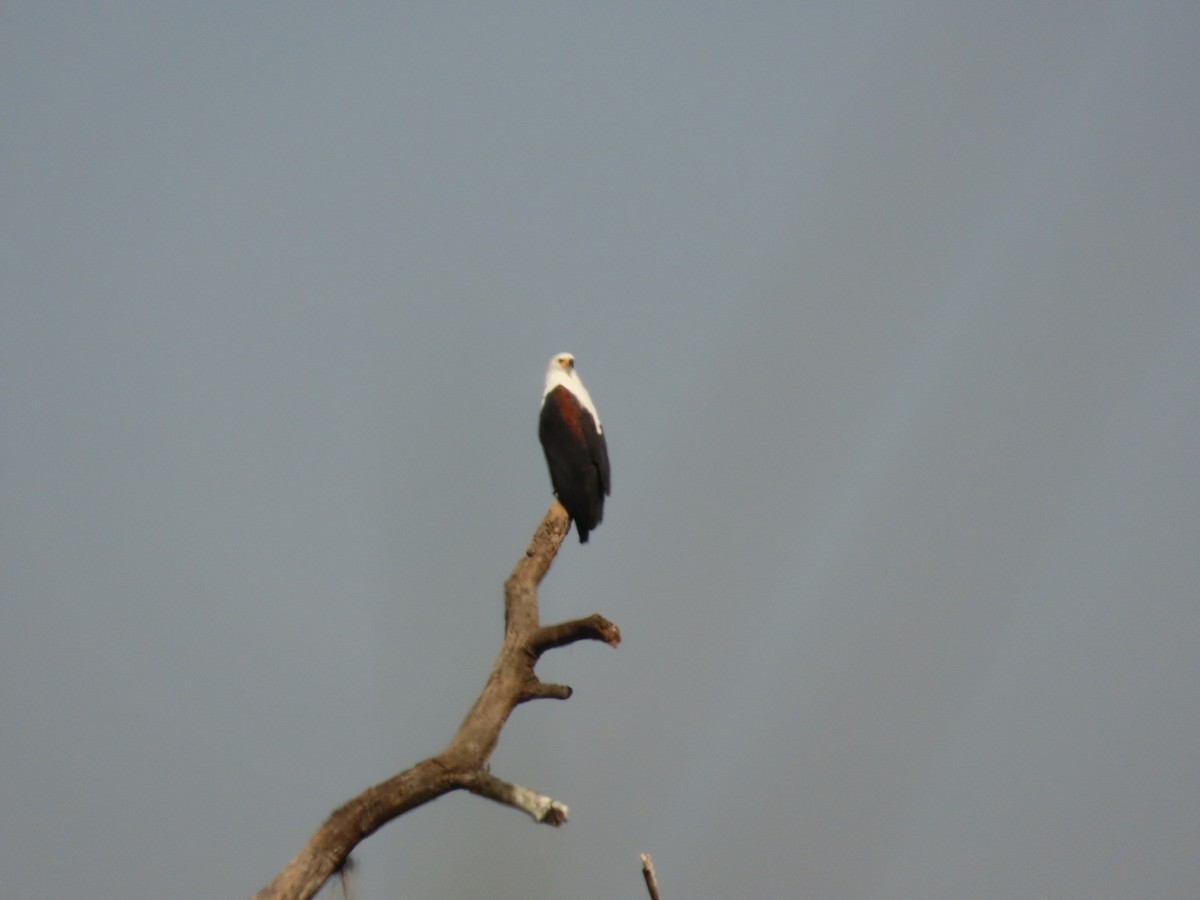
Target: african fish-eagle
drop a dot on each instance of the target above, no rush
(573, 440)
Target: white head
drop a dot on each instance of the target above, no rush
(561, 373)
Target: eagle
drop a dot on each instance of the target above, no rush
(573, 441)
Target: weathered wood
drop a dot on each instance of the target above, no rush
(463, 762)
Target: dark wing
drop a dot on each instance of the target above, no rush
(598, 448)
(577, 457)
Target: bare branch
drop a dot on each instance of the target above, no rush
(651, 878)
(327, 850)
(545, 810)
(463, 762)
(543, 691)
(520, 591)
(593, 628)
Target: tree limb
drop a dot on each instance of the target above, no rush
(593, 628)
(544, 691)
(463, 762)
(541, 808)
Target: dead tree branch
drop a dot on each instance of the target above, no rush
(650, 876)
(541, 808)
(462, 765)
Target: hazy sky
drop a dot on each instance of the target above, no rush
(891, 310)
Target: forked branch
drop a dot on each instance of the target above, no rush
(463, 762)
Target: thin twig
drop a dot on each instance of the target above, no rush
(651, 878)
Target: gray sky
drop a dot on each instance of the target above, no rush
(892, 311)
